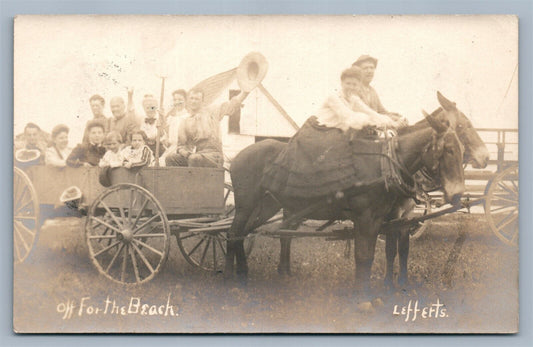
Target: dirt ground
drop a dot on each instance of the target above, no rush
(461, 276)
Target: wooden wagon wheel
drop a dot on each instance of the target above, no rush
(25, 216)
(501, 205)
(207, 249)
(128, 234)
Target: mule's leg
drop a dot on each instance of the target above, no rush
(235, 235)
(403, 248)
(284, 266)
(391, 247)
(364, 249)
(403, 242)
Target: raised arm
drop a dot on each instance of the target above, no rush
(232, 105)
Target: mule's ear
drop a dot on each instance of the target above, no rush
(438, 125)
(425, 113)
(445, 103)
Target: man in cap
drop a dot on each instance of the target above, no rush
(367, 93)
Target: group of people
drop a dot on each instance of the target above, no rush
(189, 134)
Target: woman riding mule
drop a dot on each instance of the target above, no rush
(364, 198)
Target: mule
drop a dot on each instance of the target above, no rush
(475, 153)
(436, 148)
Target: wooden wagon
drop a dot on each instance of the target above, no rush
(128, 225)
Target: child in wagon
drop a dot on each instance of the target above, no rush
(113, 157)
(138, 154)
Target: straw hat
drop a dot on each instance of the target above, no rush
(251, 71)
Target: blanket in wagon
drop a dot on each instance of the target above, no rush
(319, 161)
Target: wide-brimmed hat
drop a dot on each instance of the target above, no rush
(364, 58)
(72, 193)
(26, 157)
(251, 71)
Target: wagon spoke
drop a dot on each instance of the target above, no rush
(501, 208)
(515, 186)
(214, 255)
(122, 215)
(505, 198)
(22, 194)
(17, 250)
(130, 210)
(221, 246)
(99, 221)
(150, 220)
(134, 263)
(146, 262)
(504, 187)
(25, 217)
(203, 254)
(98, 237)
(511, 217)
(230, 211)
(26, 246)
(103, 250)
(124, 263)
(139, 214)
(25, 228)
(515, 235)
(112, 214)
(196, 247)
(148, 247)
(23, 206)
(114, 258)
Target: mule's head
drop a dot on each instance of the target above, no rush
(443, 158)
(476, 151)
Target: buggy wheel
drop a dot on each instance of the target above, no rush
(501, 205)
(127, 233)
(25, 216)
(207, 249)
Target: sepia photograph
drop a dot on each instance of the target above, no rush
(266, 174)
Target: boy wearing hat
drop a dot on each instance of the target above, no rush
(367, 93)
(368, 65)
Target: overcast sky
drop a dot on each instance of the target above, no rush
(61, 61)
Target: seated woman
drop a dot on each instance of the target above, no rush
(346, 109)
(57, 154)
(319, 158)
(138, 154)
(89, 154)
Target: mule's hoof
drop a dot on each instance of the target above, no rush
(365, 307)
(377, 303)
